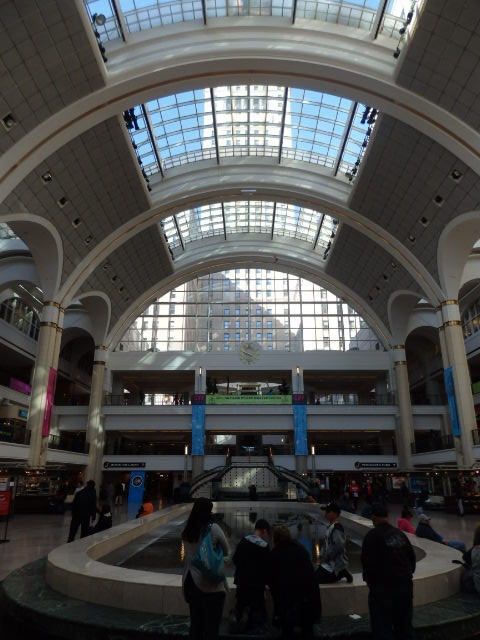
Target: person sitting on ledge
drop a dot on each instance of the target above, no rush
(405, 522)
(425, 530)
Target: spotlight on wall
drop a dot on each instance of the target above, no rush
(200, 371)
(298, 371)
(99, 19)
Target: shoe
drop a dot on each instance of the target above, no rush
(344, 573)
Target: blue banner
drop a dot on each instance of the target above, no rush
(198, 429)
(300, 429)
(452, 402)
(135, 492)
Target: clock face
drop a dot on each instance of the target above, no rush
(249, 352)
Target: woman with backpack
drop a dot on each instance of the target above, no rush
(204, 591)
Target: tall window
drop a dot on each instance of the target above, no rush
(302, 316)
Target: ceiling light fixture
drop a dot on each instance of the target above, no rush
(47, 177)
(8, 121)
(62, 202)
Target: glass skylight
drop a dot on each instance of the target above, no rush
(273, 219)
(248, 120)
(124, 17)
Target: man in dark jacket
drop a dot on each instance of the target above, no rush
(388, 561)
(296, 595)
(251, 559)
(84, 509)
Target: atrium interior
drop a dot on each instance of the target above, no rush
(239, 229)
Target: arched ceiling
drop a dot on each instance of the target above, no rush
(68, 156)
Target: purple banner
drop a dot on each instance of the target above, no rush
(18, 385)
(47, 415)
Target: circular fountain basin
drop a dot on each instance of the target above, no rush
(80, 569)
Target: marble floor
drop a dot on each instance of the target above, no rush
(33, 536)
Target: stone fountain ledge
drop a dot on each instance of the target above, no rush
(76, 571)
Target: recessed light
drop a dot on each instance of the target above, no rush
(412, 238)
(106, 266)
(76, 222)
(424, 220)
(8, 121)
(385, 277)
(456, 175)
(438, 200)
(62, 202)
(114, 278)
(88, 239)
(47, 177)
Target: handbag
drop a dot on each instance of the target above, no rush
(209, 559)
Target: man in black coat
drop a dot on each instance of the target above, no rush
(251, 559)
(84, 509)
(295, 591)
(389, 562)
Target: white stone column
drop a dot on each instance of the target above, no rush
(95, 427)
(44, 362)
(404, 431)
(455, 357)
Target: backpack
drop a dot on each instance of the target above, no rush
(209, 559)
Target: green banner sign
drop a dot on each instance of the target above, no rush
(218, 398)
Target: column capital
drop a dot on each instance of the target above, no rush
(51, 303)
(101, 346)
(397, 363)
(398, 346)
(452, 323)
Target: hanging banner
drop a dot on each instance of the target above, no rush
(198, 429)
(47, 415)
(137, 487)
(300, 429)
(452, 402)
(5, 497)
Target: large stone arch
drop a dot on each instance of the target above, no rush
(454, 248)
(275, 55)
(98, 306)
(45, 246)
(300, 185)
(213, 264)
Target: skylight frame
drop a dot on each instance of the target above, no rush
(275, 219)
(254, 120)
(125, 17)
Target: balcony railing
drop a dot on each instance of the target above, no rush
(14, 431)
(76, 444)
(146, 448)
(433, 443)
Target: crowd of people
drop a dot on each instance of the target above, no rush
(269, 557)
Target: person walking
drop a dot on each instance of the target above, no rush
(333, 556)
(204, 597)
(119, 491)
(388, 562)
(295, 591)
(251, 560)
(84, 509)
